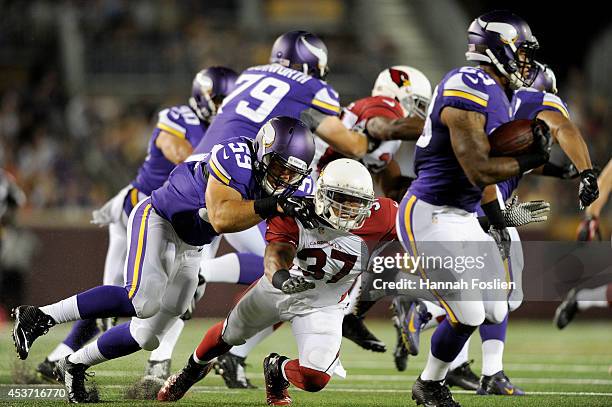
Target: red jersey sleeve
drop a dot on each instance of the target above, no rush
(282, 229)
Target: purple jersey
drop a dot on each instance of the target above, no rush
(528, 102)
(440, 178)
(180, 121)
(263, 92)
(181, 199)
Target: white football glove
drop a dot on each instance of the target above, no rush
(523, 213)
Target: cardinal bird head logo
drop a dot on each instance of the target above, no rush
(400, 78)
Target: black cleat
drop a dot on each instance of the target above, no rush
(498, 384)
(432, 393)
(567, 310)
(400, 354)
(159, 369)
(276, 385)
(411, 317)
(232, 370)
(179, 383)
(74, 381)
(463, 377)
(30, 323)
(50, 372)
(354, 329)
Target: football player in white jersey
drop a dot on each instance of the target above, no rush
(308, 273)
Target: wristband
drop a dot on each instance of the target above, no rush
(494, 214)
(280, 277)
(530, 161)
(266, 207)
(552, 170)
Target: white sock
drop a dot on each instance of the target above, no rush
(63, 311)
(462, 357)
(492, 355)
(592, 297)
(224, 269)
(88, 355)
(243, 350)
(168, 342)
(435, 369)
(60, 352)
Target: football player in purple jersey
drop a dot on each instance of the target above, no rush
(235, 186)
(455, 170)
(292, 84)
(177, 131)
(541, 102)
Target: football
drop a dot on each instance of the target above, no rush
(511, 139)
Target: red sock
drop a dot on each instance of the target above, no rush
(304, 377)
(212, 345)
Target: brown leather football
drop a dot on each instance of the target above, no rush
(511, 139)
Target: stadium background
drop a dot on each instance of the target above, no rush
(81, 81)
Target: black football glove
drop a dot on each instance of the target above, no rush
(300, 208)
(589, 230)
(283, 280)
(588, 191)
(540, 149)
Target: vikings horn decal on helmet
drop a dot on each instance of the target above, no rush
(407, 85)
(504, 40)
(344, 194)
(284, 148)
(302, 51)
(209, 88)
(545, 80)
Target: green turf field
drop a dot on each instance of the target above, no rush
(568, 368)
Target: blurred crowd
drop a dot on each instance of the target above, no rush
(73, 144)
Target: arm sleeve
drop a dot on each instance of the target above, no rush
(465, 91)
(171, 123)
(326, 100)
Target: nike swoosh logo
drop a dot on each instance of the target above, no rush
(390, 103)
(509, 391)
(411, 327)
(474, 81)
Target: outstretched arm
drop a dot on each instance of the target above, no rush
(569, 138)
(384, 128)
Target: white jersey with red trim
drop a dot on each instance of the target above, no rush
(331, 258)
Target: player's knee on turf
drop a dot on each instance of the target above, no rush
(314, 380)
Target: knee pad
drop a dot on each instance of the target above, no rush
(471, 318)
(144, 335)
(497, 313)
(147, 308)
(314, 380)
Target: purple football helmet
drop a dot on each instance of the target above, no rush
(284, 148)
(209, 87)
(504, 40)
(302, 51)
(545, 80)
